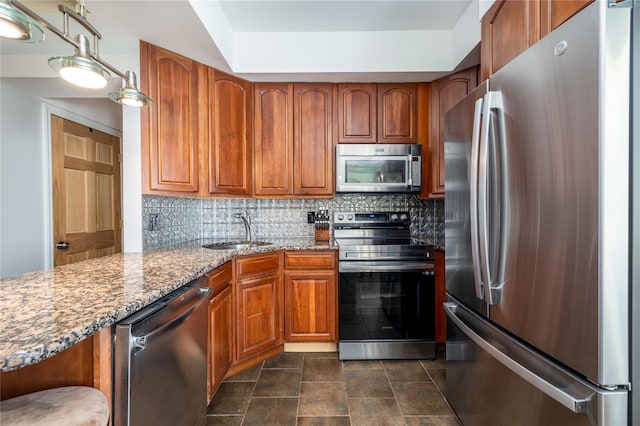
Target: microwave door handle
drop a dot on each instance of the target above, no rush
(473, 200)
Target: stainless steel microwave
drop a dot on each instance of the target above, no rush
(378, 167)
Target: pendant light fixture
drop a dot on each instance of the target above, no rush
(17, 26)
(85, 68)
(129, 94)
(80, 69)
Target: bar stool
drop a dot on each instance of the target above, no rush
(64, 406)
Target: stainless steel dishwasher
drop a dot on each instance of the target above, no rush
(160, 357)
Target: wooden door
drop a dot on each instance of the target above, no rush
(397, 120)
(508, 28)
(273, 139)
(445, 93)
(86, 192)
(357, 113)
(554, 12)
(230, 134)
(170, 147)
(312, 141)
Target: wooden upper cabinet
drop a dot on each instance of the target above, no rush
(397, 121)
(357, 113)
(170, 148)
(273, 139)
(554, 12)
(312, 139)
(229, 134)
(445, 93)
(508, 28)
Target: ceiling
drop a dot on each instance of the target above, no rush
(267, 40)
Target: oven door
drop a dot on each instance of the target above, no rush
(386, 310)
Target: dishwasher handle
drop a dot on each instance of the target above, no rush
(166, 318)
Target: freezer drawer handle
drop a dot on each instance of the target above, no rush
(577, 405)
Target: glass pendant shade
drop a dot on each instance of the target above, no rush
(80, 69)
(130, 95)
(17, 26)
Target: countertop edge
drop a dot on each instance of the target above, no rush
(12, 359)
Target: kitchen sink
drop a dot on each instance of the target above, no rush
(236, 245)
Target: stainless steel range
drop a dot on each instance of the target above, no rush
(386, 288)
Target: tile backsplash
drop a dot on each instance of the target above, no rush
(172, 220)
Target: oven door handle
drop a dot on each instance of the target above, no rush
(385, 266)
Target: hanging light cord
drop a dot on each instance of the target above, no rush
(64, 34)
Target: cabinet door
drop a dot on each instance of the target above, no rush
(220, 339)
(357, 113)
(397, 113)
(554, 12)
(170, 148)
(273, 139)
(230, 134)
(312, 141)
(258, 315)
(310, 306)
(445, 93)
(508, 28)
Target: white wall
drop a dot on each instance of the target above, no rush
(25, 173)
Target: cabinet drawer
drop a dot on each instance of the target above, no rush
(220, 278)
(311, 259)
(257, 265)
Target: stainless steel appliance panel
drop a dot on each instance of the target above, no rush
(558, 280)
(487, 367)
(461, 154)
(160, 357)
(378, 168)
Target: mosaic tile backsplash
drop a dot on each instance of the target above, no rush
(172, 220)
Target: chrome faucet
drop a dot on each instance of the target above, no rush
(246, 219)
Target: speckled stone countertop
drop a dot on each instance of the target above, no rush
(45, 312)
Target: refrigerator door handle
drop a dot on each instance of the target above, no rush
(577, 404)
(473, 200)
(493, 183)
(483, 195)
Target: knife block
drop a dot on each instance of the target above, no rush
(322, 234)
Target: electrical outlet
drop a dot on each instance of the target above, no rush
(154, 221)
(311, 217)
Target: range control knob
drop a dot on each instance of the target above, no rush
(394, 217)
(340, 217)
(349, 216)
(403, 217)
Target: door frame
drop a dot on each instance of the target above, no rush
(48, 111)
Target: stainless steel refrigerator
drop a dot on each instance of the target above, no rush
(540, 212)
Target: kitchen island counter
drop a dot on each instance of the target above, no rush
(42, 313)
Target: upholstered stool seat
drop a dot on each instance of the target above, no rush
(68, 406)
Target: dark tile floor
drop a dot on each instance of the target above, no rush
(318, 389)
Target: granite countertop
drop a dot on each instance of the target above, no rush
(45, 312)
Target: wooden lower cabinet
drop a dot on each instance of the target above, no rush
(310, 292)
(220, 343)
(258, 300)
